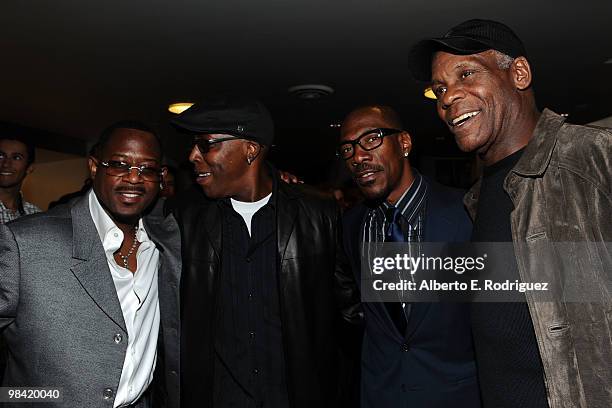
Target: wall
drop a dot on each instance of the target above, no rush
(54, 175)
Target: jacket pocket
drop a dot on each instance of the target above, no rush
(558, 329)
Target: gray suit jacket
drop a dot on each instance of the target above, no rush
(59, 310)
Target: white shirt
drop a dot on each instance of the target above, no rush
(247, 210)
(138, 296)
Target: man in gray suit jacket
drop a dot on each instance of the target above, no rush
(89, 290)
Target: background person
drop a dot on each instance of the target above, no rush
(16, 161)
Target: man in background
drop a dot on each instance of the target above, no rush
(16, 161)
(545, 182)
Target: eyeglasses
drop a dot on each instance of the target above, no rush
(370, 140)
(204, 145)
(120, 169)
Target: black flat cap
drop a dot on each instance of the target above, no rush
(469, 37)
(239, 116)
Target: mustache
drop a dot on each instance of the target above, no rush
(363, 167)
(130, 189)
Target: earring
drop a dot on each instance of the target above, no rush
(249, 160)
(406, 154)
(161, 186)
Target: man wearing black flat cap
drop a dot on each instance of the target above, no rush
(545, 182)
(263, 285)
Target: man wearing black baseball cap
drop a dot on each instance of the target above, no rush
(263, 283)
(545, 181)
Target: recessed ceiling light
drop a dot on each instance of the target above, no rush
(179, 107)
(429, 94)
(311, 91)
(335, 125)
(565, 115)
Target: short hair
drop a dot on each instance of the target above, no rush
(504, 61)
(386, 112)
(31, 149)
(122, 124)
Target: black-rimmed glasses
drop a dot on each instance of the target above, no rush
(370, 140)
(120, 169)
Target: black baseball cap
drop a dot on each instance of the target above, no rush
(239, 116)
(469, 37)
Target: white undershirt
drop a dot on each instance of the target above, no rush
(138, 296)
(247, 210)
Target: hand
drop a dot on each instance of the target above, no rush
(289, 178)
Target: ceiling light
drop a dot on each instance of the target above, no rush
(429, 94)
(179, 107)
(310, 91)
(335, 125)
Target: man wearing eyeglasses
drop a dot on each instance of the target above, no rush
(262, 286)
(414, 354)
(89, 302)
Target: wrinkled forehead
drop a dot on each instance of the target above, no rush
(445, 63)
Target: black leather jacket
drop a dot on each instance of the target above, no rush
(317, 293)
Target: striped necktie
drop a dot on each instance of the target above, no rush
(394, 234)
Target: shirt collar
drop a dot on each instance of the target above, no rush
(107, 228)
(20, 204)
(412, 201)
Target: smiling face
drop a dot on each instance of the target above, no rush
(14, 165)
(476, 98)
(384, 172)
(221, 170)
(126, 197)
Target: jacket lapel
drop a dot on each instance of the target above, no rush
(438, 228)
(164, 232)
(89, 263)
(286, 213)
(210, 224)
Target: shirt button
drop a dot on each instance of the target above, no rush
(248, 259)
(250, 296)
(405, 347)
(251, 334)
(107, 393)
(116, 235)
(255, 371)
(118, 337)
